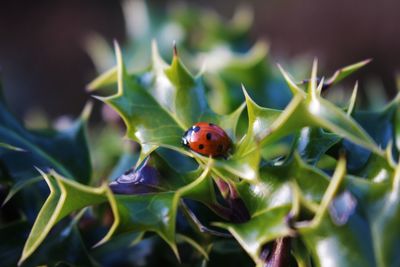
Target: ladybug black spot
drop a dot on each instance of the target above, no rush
(201, 146)
(211, 124)
(196, 129)
(208, 136)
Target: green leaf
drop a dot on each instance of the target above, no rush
(19, 186)
(65, 244)
(149, 212)
(262, 228)
(158, 105)
(194, 244)
(159, 114)
(352, 100)
(10, 147)
(301, 254)
(245, 167)
(342, 73)
(65, 197)
(230, 121)
(66, 151)
(284, 191)
(281, 189)
(117, 249)
(312, 110)
(259, 119)
(287, 187)
(108, 78)
(156, 212)
(326, 115)
(146, 120)
(380, 125)
(189, 98)
(280, 183)
(380, 202)
(225, 70)
(322, 235)
(314, 143)
(347, 245)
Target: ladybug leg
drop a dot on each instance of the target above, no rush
(184, 142)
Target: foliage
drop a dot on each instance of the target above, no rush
(308, 183)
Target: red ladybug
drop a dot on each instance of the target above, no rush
(207, 139)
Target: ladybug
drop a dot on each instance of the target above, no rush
(207, 139)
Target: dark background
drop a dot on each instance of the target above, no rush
(44, 64)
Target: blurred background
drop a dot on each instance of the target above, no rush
(45, 67)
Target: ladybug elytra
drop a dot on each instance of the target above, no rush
(207, 139)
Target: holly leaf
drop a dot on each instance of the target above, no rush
(314, 143)
(148, 122)
(189, 101)
(59, 204)
(351, 243)
(159, 106)
(224, 71)
(65, 244)
(11, 147)
(259, 119)
(262, 228)
(310, 109)
(157, 212)
(154, 212)
(358, 237)
(342, 73)
(275, 198)
(65, 151)
(380, 125)
(379, 200)
(18, 186)
(108, 78)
